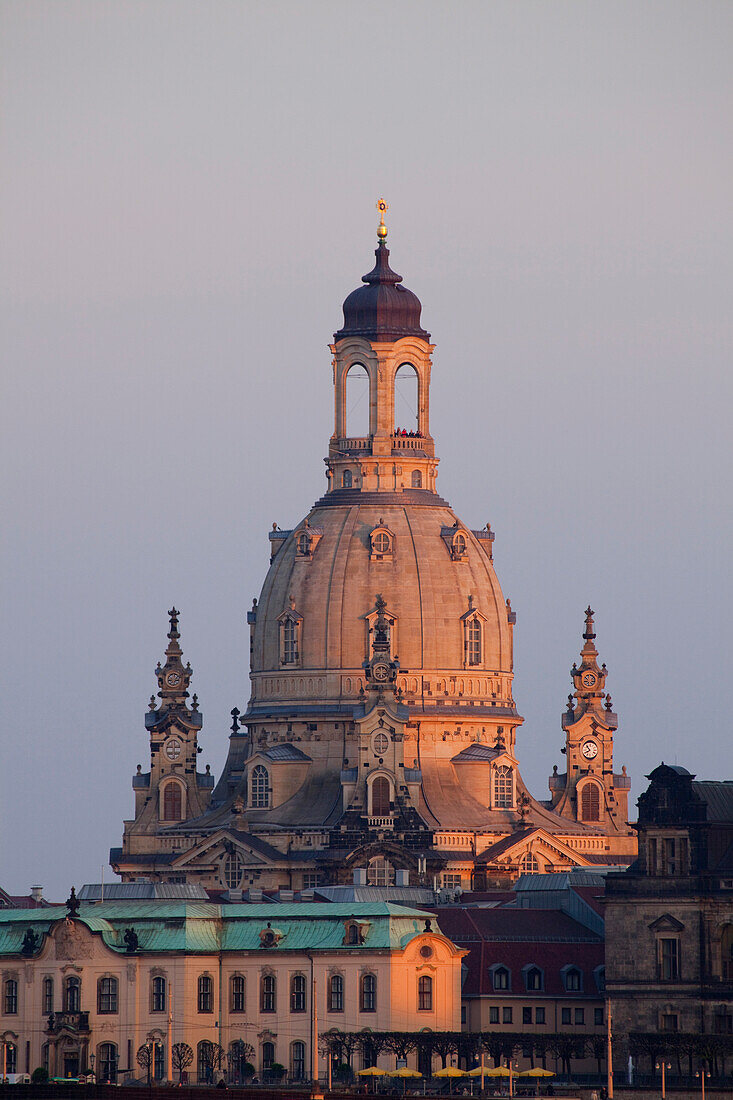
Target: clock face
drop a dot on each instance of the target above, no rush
(590, 750)
(380, 671)
(173, 679)
(589, 679)
(172, 748)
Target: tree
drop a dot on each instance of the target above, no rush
(212, 1057)
(182, 1056)
(144, 1058)
(39, 1075)
(240, 1057)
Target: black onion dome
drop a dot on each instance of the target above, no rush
(382, 310)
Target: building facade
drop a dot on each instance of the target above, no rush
(381, 730)
(669, 917)
(87, 988)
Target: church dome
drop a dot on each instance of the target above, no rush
(432, 572)
(383, 309)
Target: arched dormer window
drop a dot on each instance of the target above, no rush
(303, 544)
(590, 802)
(416, 479)
(503, 787)
(290, 626)
(473, 641)
(172, 801)
(260, 787)
(459, 546)
(347, 479)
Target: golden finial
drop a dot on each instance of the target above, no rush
(382, 207)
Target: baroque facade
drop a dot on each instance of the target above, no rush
(381, 731)
(84, 989)
(669, 917)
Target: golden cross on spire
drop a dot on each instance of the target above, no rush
(382, 207)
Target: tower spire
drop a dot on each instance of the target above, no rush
(173, 677)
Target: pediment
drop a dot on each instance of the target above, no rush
(216, 847)
(666, 923)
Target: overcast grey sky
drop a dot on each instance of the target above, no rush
(187, 195)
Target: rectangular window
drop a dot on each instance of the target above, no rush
(669, 960)
(238, 991)
(670, 856)
(526, 1015)
(539, 1015)
(47, 996)
(310, 881)
(206, 994)
(598, 1017)
(565, 1017)
(669, 1021)
(463, 1014)
(494, 1015)
(451, 882)
(506, 1015)
(580, 1015)
(11, 997)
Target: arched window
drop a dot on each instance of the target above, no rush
(297, 993)
(11, 997)
(336, 993)
(172, 802)
(158, 994)
(529, 864)
(297, 1061)
(237, 991)
(356, 401)
(500, 978)
(206, 994)
(267, 993)
(158, 1061)
(260, 784)
(533, 979)
(290, 642)
(47, 996)
(459, 545)
(368, 993)
(406, 397)
(425, 994)
(233, 870)
(380, 796)
(590, 803)
(416, 479)
(107, 995)
(304, 544)
(72, 994)
(353, 938)
(380, 872)
(473, 641)
(11, 1058)
(380, 543)
(107, 1062)
(347, 479)
(268, 1055)
(503, 787)
(204, 1062)
(239, 1053)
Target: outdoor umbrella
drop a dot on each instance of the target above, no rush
(450, 1071)
(498, 1071)
(371, 1071)
(537, 1072)
(404, 1072)
(476, 1071)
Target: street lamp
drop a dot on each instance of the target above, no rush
(663, 1066)
(511, 1066)
(702, 1074)
(91, 1064)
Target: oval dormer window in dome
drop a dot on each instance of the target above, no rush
(381, 543)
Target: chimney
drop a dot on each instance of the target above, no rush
(285, 895)
(360, 876)
(37, 893)
(402, 877)
(255, 894)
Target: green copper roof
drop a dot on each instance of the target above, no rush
(205, 927)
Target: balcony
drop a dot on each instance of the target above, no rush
(353, 444)
(380, 822)
(68, 1021)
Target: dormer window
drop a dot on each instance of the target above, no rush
(306, 541)
(381, 543)
(290, 623)
(473, 641)
(304, 544)
(347, 479)
(503, 787)
(260, 787)
(353, 936)
(572, 979)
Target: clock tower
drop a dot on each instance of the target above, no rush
(589, 791)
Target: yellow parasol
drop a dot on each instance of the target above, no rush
(499, 1071)
(537, 1072)
(450, 1071)
(404, 1072)
(371, 1071)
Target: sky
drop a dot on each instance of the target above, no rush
(187, 195)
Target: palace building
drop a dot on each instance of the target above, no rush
(381, 737)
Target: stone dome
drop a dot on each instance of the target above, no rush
(382, 310)
(429, 592)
